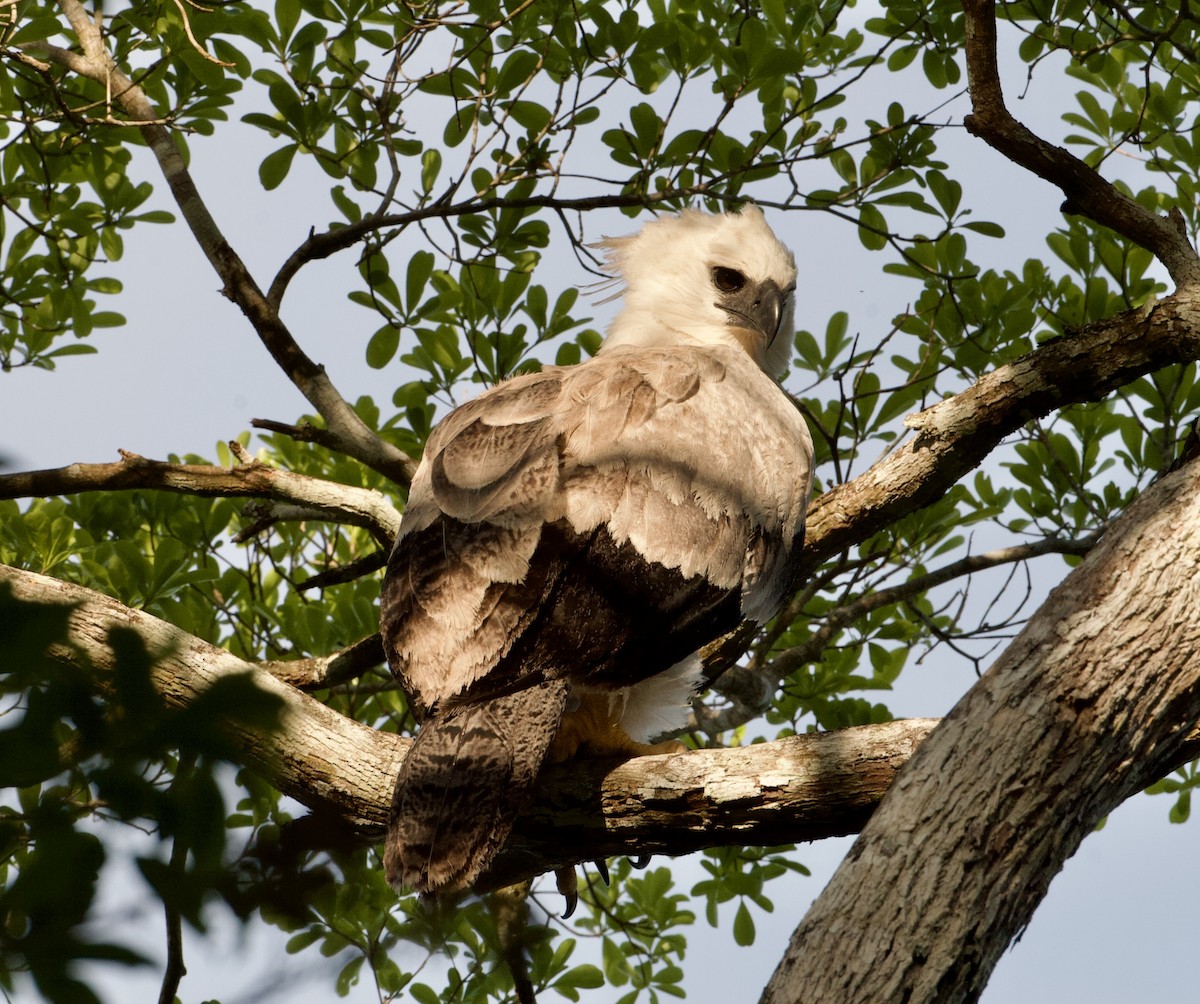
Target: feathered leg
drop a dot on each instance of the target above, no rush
(462, 785)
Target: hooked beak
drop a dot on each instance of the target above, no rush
(759, 307)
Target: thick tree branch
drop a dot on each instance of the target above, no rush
(325, 760)
(1095, 699)
(952, 438)
(1087, 193)
(353, 436)
(800, 788)
(955, 435)
(362, 507)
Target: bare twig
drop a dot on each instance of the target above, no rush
(321, 672)
(338, 503)
(750, 691)
(200, 50)
(1087, 193)
(175, 969)
(346, 573)
(329, 242)
(305, 432)
(785, 662)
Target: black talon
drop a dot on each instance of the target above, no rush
(568, 887)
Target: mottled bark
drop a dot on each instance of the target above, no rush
(1092, 702)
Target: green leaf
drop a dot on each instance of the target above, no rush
(382, 347)
(872, 230)
(743, 926)
(275, 166)
(986, 228)
(431, 167)
(287, 16)
(423, 994)
(530, 114)
(586, 977)
(777, 15)
(348, 977)
(420, 268)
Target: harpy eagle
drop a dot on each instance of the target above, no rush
(574, 536)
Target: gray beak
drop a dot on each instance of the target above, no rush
(757, 306)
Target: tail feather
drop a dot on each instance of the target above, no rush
(465, 780)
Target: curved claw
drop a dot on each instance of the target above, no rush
(568, 886)
(601, 867)
(640, 861)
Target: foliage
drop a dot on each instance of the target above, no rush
(74, 750)
(458, 146)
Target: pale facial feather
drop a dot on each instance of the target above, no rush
(670, 298)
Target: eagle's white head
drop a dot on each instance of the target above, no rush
(702, 279)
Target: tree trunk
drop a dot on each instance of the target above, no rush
(1090, 704)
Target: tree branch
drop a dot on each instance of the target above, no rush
(325, 671)
(952, 438)
(354, 437)
(800, 788)
(955, 435)
(330, 242)
(322, 758)
(1087, 193)
(792, 658)
(751, 690)
(175, 969)
(339, 503)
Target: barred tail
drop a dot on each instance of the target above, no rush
(462, 785)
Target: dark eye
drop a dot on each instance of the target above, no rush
(727, 280)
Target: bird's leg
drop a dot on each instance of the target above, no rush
(595, 727)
